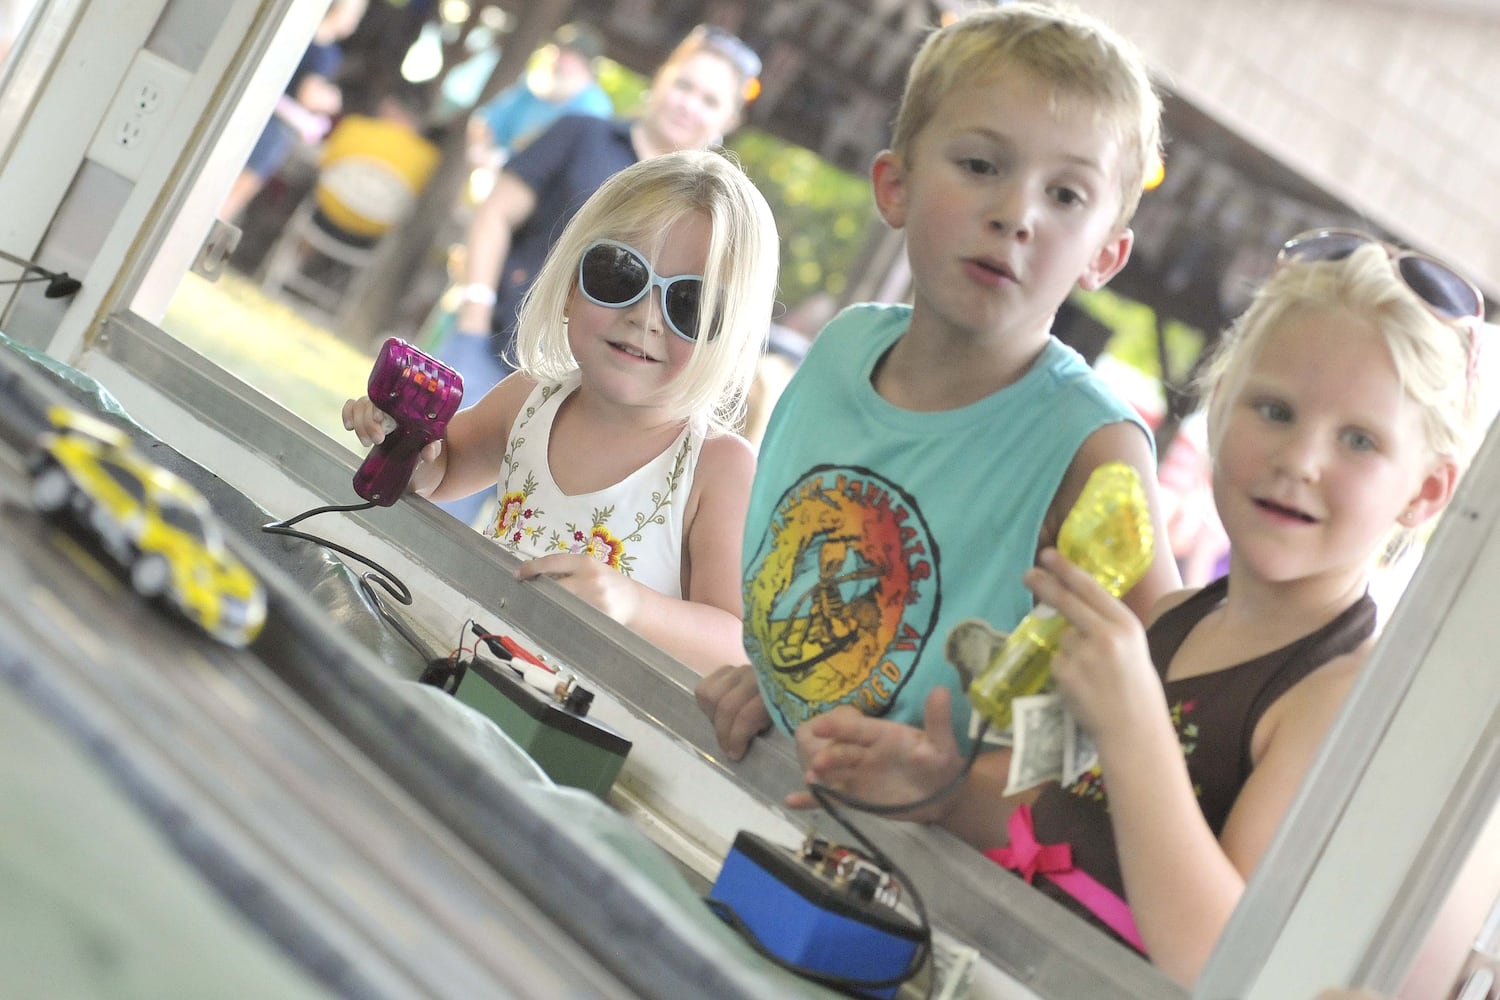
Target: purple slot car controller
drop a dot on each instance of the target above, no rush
(419, 395)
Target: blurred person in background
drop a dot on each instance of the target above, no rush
(786, 345)
(306, 110)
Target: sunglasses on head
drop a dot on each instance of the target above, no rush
(731, 47)
(1447, 293)
(616, 275)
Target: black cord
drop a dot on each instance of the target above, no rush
(826, 796)
(401, 628)
(59, 286)
(379, 575)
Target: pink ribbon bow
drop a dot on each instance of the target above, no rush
(1025, 856)
(1028, 857)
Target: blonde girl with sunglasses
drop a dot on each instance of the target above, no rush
(619, 475)
(1342, 409)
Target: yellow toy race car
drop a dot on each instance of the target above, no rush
(159, 529)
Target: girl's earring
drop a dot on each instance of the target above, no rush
(1408, 517)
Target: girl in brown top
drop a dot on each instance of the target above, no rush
(1342, 409)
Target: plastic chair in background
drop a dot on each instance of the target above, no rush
(370, 172)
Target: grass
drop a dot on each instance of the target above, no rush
(271, 346)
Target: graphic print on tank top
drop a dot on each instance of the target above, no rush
(842, 595)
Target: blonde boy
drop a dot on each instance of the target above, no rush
(923, 454)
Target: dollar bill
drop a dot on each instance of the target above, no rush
(991, 735)
(1049, 745)
(1037, 729)
(971, 645)
(1079, 752)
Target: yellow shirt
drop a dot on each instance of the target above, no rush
(370, 172)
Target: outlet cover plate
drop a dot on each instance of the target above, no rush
(138, 115)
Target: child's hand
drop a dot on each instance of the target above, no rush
(587, 578)
(371, 425)
(369, 422)
(320, 96)
(881, 761)
(731, 698)
(1102, 666)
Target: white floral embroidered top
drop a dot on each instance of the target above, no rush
(634, 526)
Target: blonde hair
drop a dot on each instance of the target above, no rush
(1076, 55)
(637, 206)
(1433, 358)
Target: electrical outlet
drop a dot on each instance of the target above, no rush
(147, 97)
(138, 115)
(130, 134)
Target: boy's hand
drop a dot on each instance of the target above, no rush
(587, 578)
(1102, 666)
(731, 698)
(879, 760)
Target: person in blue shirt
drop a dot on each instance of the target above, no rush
(561, 82)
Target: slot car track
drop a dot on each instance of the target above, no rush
(326, 800)
(365, 837)
(329, 856)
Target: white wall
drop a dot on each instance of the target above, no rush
(1391, 106)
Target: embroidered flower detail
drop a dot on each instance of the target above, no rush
(507, 460)
(660, 499)
(605, 547)
(1090, 785)
(510, 511)
(1187, 730)
(513, 519)
(609, 533)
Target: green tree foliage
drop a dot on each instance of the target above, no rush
(1134, 337)
(823, 214)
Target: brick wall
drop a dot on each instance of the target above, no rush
(1394, 107)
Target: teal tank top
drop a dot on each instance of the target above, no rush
(873, 530)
